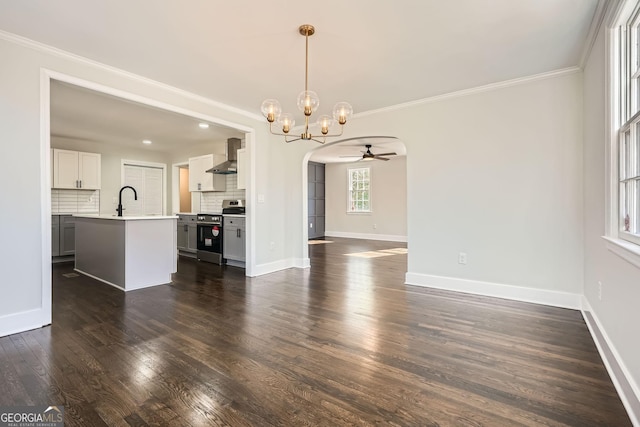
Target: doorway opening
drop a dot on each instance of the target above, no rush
(374, 209)
(50, 104)
(183, 188)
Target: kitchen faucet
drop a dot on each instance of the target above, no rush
(135, 196)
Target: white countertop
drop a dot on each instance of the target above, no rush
(125, 218)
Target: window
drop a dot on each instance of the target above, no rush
(627, 122)
(359, 190)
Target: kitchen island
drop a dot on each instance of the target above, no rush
(127, 252)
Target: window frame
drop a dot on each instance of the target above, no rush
(350, 191)
(623, 110)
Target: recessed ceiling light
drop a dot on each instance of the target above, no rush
(204, 125)
(146, 141)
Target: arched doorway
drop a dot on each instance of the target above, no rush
(381, 214)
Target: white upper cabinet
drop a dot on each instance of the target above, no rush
(200, 179)
(90, 170)
(77, 170)
(242, 169)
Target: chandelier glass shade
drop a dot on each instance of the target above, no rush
(308, 102)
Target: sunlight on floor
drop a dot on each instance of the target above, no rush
(395, 250)
(380, 253)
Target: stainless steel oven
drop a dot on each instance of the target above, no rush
(210, 238)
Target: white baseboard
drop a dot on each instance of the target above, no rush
(498, 290)
(367, 236)
(19, 322)
(283, 264)
(272, 267)
(120, 288)
(302, 262)
(626, 387)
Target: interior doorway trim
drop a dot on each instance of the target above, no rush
(304, 259)
(43, 315)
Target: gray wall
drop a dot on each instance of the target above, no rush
(388, 219)
(496, 174)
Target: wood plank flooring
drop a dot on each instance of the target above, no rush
(342, 343)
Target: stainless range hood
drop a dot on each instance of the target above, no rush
(231, 165)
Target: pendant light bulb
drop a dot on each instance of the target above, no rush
(308, 102)
(271, 110)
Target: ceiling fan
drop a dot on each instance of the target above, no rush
(368, 155)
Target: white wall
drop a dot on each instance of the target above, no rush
(388, 201)
(617, 312)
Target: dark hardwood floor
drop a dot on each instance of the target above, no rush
(342, 343)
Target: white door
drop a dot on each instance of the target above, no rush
(148, 182)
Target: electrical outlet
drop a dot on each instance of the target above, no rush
(272, 246)
(310, 225)
(375, 226)
(600, 290)
(462, 258)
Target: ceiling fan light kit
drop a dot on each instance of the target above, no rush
(308, 102)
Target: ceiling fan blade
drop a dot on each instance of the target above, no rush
(348, 156)
(386, 154)
(380, 158)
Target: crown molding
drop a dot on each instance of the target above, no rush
(37, 46)
(594, 29)
(40, 47)
(472, 91)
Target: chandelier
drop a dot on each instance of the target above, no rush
(308, 103)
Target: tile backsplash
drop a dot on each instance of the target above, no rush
(211, 201)
(75, 201)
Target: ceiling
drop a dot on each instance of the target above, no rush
(371, 54)
(79, 113)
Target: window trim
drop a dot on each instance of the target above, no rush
(625, 248)
(349, 174)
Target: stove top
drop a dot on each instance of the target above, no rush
(209, 218)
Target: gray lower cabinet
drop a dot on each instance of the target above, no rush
(67, 235)
(55, 235)
(187, 235)
(63, 235)
(233, 243)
